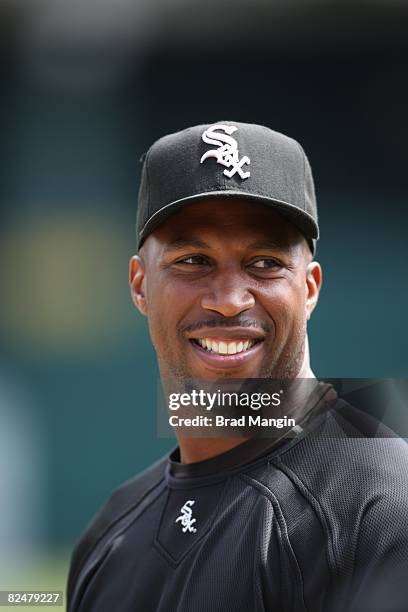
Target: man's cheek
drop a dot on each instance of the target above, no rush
(287, 322)
(162, 333)
(157, 326)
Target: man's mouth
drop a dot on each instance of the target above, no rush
(225, 347)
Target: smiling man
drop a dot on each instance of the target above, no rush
(313, 519)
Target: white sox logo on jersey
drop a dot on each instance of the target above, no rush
(186, 517)
(227, 149)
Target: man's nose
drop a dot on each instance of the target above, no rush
(228, 295)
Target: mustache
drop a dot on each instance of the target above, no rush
(227, 322)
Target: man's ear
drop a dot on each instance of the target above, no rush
(313, 285)
(137, 282)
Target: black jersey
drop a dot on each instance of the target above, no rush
(316, 522)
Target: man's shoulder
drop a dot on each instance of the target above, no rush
(347, 463)
(123, 499)
(349, 442)
(126, 496)
(351, 475)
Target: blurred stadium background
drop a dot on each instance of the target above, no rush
(86, 87)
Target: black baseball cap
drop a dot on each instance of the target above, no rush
(223, 160)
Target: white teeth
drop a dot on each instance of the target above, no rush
(225, 348)
(232, 348)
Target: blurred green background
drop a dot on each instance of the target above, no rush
(85, 90)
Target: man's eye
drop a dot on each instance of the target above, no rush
(267, 264)
(196, 260)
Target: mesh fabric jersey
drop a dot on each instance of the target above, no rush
(316, 522)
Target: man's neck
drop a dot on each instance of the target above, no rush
(193, 450)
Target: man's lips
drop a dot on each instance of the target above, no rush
(228, 347)
(215, 359)
(228, 333)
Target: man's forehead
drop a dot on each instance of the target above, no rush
(250, 221)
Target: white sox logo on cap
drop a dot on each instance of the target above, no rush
(226, 153)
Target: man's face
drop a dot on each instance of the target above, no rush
(227, 286)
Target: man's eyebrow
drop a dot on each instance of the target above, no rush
(265, 243)
(183, 243)
(270, 245)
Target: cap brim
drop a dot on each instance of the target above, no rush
(300, 218)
